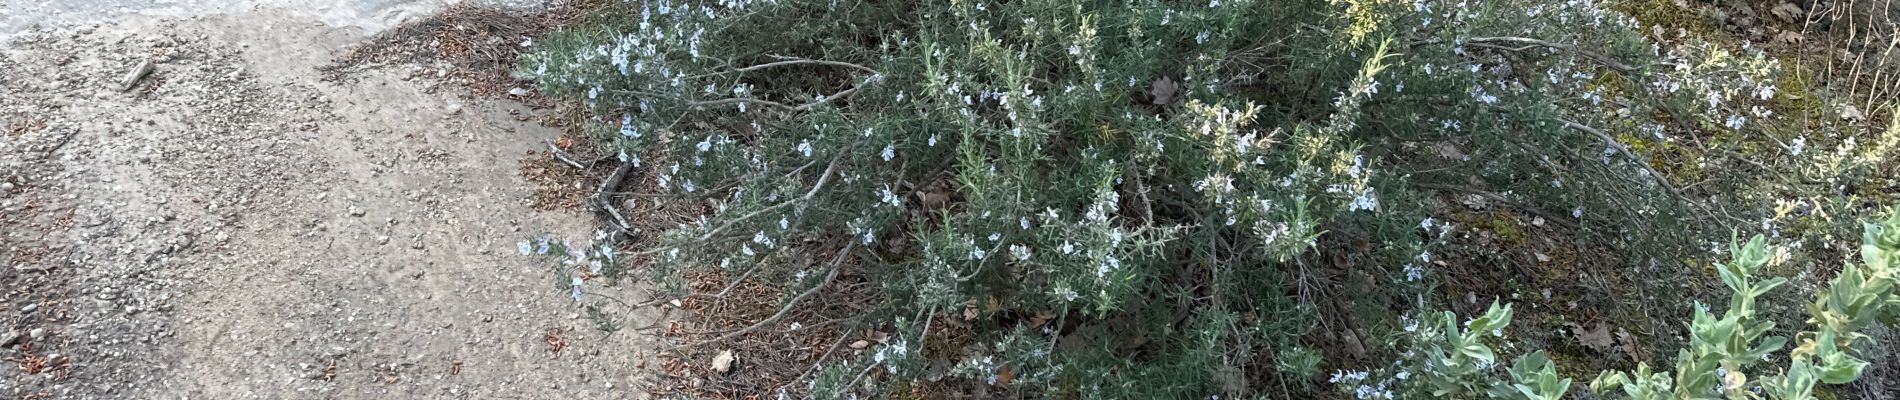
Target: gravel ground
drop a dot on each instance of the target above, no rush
(235, 227)
(368, 15)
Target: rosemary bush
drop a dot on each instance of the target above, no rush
(1126, 198)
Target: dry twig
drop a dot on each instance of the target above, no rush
(1638, 159)
(1530, 43)
(836, 265)
(602, 202)
(562, 155)
(132, 78)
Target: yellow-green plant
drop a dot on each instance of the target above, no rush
(1464, 353)
(1716, 362)
(1533, 377)
(1720, 349)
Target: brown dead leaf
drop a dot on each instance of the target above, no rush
(1475, 202)
(1449, 151)
(554, 340)
(1788, 12)
(1165, 91)
(1040, 318)
(1004, 376)
(1628, 341)
(860, 344)
(935, 195)
(1353, 344)
(1788, 38)
(723, 362)
(21, 127)
(1597, 338)
(933, 200)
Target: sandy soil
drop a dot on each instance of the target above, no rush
(369, 15)
(236, 227)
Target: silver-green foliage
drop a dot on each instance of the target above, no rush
(1723, 359)
(1119, 193)
(1080, 160)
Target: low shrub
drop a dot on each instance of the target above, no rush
(1157, 199)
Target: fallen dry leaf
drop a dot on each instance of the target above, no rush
(1449, 151)
(1788, 12)
(1165, 91)
(723, 362)
(1629, 344)
(1597, 338)
(1475, 202)
(1851, 113)
(555, 341)
(1788, 38)
(1041, 318)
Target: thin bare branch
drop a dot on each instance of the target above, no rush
(826, 99)
(562, 155)
(737, 100)
(1638, 159)
(821, 358)
(836, 265)
(600, 201)
(1488, 195)
(799, 61)
(1528, 43)
(823, 178)
(822, 100)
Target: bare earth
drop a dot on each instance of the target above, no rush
(234, 227)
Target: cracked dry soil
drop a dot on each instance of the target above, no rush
(235, 227)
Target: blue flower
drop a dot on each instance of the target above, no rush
(626, 127)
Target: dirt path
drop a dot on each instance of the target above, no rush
(236, 228)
